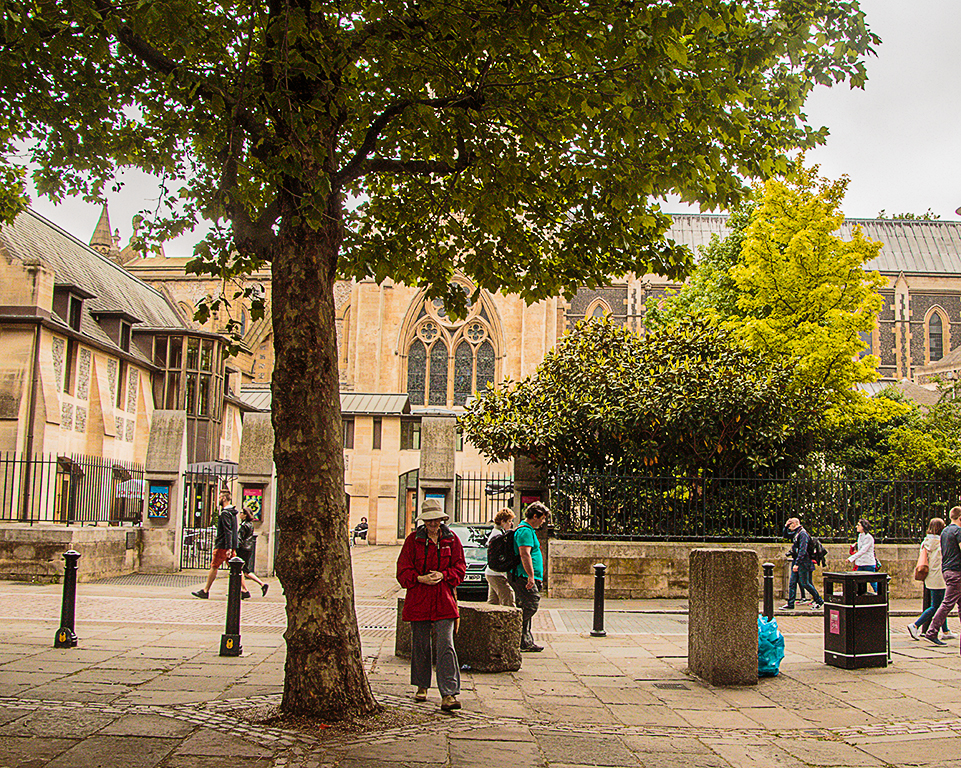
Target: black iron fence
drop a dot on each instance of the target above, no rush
(744, 508)
(70, 489)
(477, 498)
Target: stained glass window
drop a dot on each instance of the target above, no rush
(416, 372)
(935, 337)
(438, 375)
(485, 365)
(463, 373)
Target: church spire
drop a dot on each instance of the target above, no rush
(104, 241)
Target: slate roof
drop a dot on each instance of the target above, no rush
(32, 237)
(912, 247)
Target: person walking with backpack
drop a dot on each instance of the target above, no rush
(802, 566)
(225, 545)
(864, 558)
(526, 579)
(499, 591)
(245, 551)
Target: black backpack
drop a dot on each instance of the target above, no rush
(817, 551)
(502, 556)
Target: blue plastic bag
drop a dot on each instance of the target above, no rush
(770, 647)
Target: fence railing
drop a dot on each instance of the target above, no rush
(478, 497)
(740, 509)
(70, 489)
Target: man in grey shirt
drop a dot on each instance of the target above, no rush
(951, 569)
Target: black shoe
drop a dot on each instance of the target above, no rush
(532, 648)
(263, 590)
(787, 607)
(936, 640)
(201, 594)
(244, 595)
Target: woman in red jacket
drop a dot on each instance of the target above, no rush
(430, 566)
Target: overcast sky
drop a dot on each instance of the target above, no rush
(898, 139)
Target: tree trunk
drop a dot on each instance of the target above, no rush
(324, 675)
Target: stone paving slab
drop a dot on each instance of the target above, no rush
(583, 702)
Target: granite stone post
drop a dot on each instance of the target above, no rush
(488, 638)
(722, 621)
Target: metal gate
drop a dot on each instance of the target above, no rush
(477, 498)
(202, 484)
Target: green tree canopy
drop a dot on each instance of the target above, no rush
(803, 291)
(684, 398)
(519, 143)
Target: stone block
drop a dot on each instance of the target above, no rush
(722, 620)
(488, 637)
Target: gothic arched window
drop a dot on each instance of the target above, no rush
(935, 338)
(438, 374)
(416, 372)
(463, 373)
(449, 360)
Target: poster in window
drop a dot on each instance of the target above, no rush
(158, 502)
(253, 501)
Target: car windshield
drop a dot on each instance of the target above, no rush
(474, 540)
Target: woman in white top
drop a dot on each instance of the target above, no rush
(499, 591)
(864, 558)
(934, 582)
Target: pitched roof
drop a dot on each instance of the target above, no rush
(910, 246)
(113, 289)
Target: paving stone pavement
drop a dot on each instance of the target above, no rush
(145, 687)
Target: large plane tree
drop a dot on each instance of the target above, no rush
(521, 143)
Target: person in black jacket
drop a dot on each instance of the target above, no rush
(802, 566)
(225, 545)
(245, 546)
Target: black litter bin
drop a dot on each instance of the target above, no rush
(855, 620)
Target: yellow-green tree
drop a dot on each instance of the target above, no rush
(803, 291)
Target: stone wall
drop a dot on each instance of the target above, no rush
(660, 569)
(36, 553)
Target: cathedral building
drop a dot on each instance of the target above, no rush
(403, 359)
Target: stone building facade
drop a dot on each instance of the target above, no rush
(393, 341)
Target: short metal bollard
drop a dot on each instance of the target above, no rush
(768, 590)
(66, 637)
(230, 641)
(598, 631)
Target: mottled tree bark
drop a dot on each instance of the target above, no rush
(324, 672)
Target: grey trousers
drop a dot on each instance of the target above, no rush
(528, 601)
(448, 669)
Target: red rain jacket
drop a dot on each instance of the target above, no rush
(431, 602)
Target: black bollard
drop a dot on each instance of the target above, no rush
(598, 630)
(768, 590)
(887, 610)
(66, 637)
(230, 641)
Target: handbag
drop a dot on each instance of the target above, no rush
(921, 569)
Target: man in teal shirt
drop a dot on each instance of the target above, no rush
(526, 578)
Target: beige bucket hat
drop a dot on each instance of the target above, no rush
(431, 509)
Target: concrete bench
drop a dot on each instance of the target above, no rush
(488, 638)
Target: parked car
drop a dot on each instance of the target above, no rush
(474, 540)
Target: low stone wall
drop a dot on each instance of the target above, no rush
(641, 569)
(488, 638)
(35, 553)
